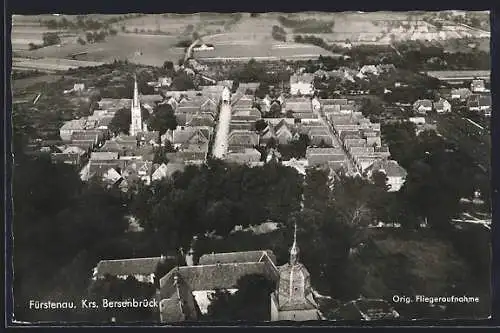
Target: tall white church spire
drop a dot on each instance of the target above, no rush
(136, 119)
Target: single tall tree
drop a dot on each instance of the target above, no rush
(163, 119)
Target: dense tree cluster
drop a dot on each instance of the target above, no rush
(308, 26)
(96, 36)
(433, 167)
(333, 224)
(51, 38)
(162, 119)
(278, 33)
(58, 222)
(216, 197)
(121, 120)
(250, 303)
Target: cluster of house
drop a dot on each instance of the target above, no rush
(242, 138)
(477, 99)
(123, 159)
(303, 83)
(362, 144)
(423, 106)
(302, 119)
(349, 74)
(85, 134)
(195, 112)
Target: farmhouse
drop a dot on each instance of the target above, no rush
(477, 86)
(442, 106)
(71, 126)
(396, 175)
(321, 156)
(243, 155)
(461, 94)
(143, 269)
(422, 106)
(204, 47)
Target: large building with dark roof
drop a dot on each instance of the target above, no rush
(183, 294)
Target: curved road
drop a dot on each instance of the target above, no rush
(189, 51)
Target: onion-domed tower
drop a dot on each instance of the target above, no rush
(293, 299)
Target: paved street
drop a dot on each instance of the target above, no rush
(220, 144)
(336, 140)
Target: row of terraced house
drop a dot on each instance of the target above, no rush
(361, 140)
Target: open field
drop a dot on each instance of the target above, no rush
(178, 24)
(262, 51)
(52, 64)
(155, 50)
(383, 27)
(235, 36)
(21, 84)
(459, 75)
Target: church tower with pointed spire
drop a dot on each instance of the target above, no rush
(293, 299)
(136, 119)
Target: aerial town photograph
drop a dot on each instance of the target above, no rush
(181, 169)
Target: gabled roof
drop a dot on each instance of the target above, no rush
(76, 124)
(112, 146)
(242, 137)
(268, 132)
(390, 167)
(439, 105)
(188, 134)
(188, 109)
(126, 139)
(334, 101)
(186, 156)
(138, 167)
(127, 267)
(423, 102)
(210, 277)
(235, 257)
(85, 135)
(202, 119)
(463, 92)
(305, 78)
(74, 150)
(103, 155)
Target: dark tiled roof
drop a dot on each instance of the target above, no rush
(134, 266)
(84, 135)
(423, 102)
(181, 305)
(389, 167)
(210, 277)
(184, 156)
(235, 257)
(99, 168)
(243, 138)
(65, 158)
(307, 78)
(202, 120)
(171, 310)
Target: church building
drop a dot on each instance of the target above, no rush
(136, 124)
